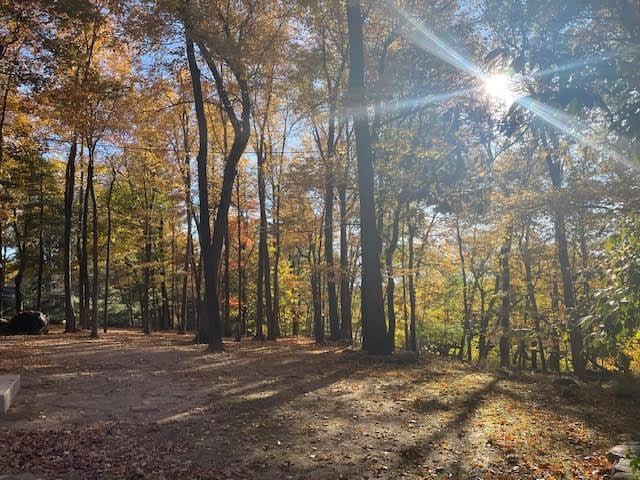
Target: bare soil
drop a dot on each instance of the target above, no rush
(129, 406)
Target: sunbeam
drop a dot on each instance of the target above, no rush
(410, 103)
(424, 38)
(500, 86)
(567, 67)
(583, 62)
(574, 128)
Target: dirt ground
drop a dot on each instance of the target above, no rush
(128, 406)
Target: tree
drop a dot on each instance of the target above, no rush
(373, 322)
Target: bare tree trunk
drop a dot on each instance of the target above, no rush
(70, 173)
(226, 308)
(505, 310)
(19, 278)
(239, 321)
(263, 250)
(575, 333)
(405, 311)
(83, 284)
(21, 252)
(182, 327)
(107, 268)
(197, 297)
(375, 340)
(174, 304)
(334, 325)
(144, 304)
(260, 295)
(316, 293)
(242, 130)
(40, 243)
(3, 112)
(276, 259)
(413, 339)
(164, 307)
(345, 285)
(204, 333)
(391, 248)
(483, 344)
(94, 247)
(533, 304)
(149, 199)
(466, 330)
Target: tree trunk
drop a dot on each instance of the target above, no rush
(70, 174)
(263, 249)
(107, 267)
(197, 284)
(483, 344)
(164, 305)
(182, 327)
(532, 306)
(316, 294)
(260, 294)
(3, 112)
(21, 253)
(226, 308)
(239, 323)
(276, 259)
(40, 244)
(174, 304)
(18, 279)
(466, 330)
(413, 338)
(144, 303)
(242, 129)
(505, 310)
(334, 325)
(391, 248)
(345, 285)
(375, 340)
(94, 246)
(405, 310)
(575, 333)
(83, 285)
(204, 333)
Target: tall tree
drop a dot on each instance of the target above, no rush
(374, 329)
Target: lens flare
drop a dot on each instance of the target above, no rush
(408, 104)
(503, 88)
(500, 87)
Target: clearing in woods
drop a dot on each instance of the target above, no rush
(134, 406)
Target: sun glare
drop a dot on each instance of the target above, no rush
(500, 87)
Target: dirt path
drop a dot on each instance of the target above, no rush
(130, 406)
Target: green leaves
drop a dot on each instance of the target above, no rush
(615, 306)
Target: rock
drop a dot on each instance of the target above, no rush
(621, 451)
(28, 322)
(619, 454)
(624, 476)
(565, 382)
(9, 386)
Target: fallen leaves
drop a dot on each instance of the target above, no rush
(135, 407)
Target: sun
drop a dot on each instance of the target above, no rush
(499, 86)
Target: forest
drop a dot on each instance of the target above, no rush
(320, 239)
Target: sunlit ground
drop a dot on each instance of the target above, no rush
(162, 408)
